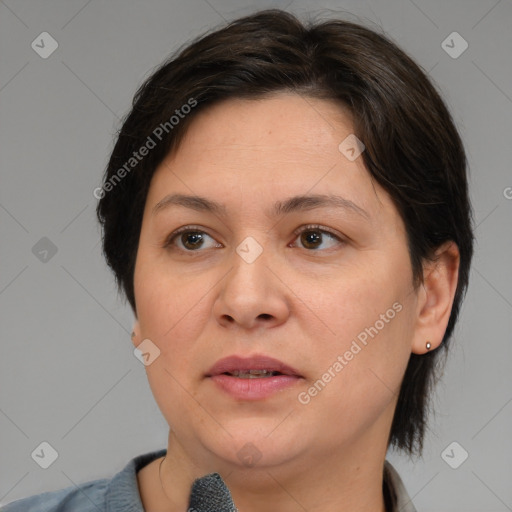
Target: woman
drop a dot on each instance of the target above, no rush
(286, 210)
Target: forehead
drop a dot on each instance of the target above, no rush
(281, 120)
(266, 150)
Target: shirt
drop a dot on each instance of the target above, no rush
(121, 493)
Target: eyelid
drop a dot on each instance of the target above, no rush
(318, 227)
(168, 241)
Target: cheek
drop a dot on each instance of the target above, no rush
(369, 317)
(359, 377)
(172, 312)
(353, 301)
(169, 306)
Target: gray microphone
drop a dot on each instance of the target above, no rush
(210, 494)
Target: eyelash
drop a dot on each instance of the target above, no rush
(197, 229)
(193, 229)
(321, 229)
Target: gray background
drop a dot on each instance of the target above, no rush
(68, 375)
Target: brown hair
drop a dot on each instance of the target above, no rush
(413, 149)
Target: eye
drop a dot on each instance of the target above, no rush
(190, 239)
(315, 238)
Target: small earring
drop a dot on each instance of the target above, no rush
(428, 345)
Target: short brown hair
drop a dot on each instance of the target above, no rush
(413, 149)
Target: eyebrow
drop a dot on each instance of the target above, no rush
(200, 204)
(292, 204)
(311, 202)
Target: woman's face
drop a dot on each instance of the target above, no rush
(293, 253)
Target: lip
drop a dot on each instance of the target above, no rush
(252, 389)
(255, 362)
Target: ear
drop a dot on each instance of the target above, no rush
(136, 333)
(435, 297)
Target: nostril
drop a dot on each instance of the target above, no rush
(265, 316)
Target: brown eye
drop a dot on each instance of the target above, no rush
(311, 239)
(192, 240)
(316, 238)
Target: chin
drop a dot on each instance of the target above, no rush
(253, 446)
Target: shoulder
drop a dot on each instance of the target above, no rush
(119, 493)
(87, 497)
(400, 500)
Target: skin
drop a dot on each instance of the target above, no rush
(297, 303)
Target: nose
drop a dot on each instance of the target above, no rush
(251, 296)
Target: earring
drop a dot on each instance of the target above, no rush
(428, 345)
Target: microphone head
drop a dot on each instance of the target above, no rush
(210, 494)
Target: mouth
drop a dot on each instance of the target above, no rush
(252, 378)
(252, 374)
(254, 367)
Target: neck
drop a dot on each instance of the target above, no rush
(333, 482)
(346, 480)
